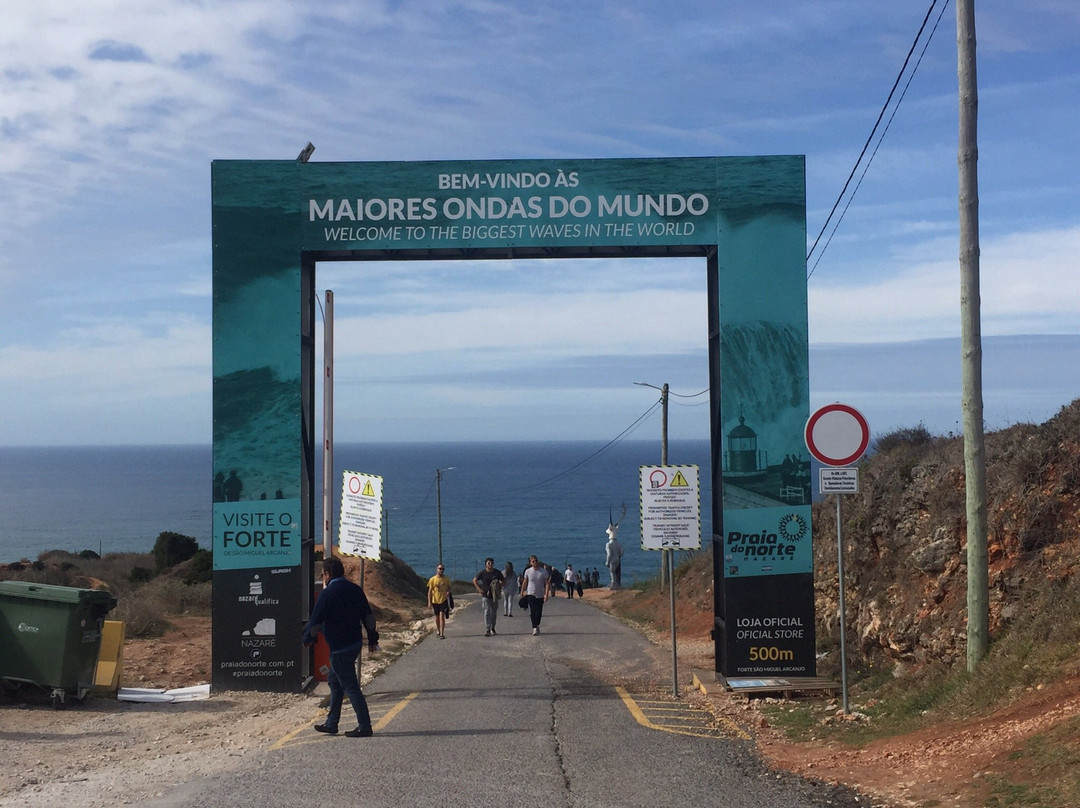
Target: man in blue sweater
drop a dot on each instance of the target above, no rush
(342, 613)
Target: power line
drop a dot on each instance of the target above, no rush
(641, 418)
(873, 131)
(691, 395)
(631, 428)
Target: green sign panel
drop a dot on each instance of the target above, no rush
(745, 216)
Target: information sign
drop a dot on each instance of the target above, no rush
(839, 480)
(670, 508)
(360, 531)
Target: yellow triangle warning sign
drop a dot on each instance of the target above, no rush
(370, 492)
(678, 481)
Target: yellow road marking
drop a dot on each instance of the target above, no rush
(657, 708)
(387, 717)
(391, 714)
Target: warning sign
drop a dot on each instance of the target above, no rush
(360, 529)
(670, 508)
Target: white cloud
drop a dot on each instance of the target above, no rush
(551, 325)
(110, 115)
(1027, 283)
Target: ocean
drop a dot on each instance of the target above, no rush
(506, 500)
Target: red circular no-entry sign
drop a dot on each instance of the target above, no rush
(837, 434)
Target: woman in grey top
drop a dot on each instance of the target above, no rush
(510, 589)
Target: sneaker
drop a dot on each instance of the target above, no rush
(487, 633)
(325, 728)
(359, 733)
(493, 631)
(536, 632)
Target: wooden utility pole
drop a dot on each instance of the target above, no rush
(978, 585)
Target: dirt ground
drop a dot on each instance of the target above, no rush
(948, 766)
(107, 752)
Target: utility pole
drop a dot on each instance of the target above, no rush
(438, 509)
(328, 422)
(438, 505)
(663, 459)
(667, 556)
(978, 585)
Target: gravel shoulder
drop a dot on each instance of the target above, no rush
(106, 752)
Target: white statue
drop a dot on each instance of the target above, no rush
(614, 551)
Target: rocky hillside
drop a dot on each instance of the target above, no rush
(905, 540)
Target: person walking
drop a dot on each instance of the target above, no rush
(342, 613)
(535, 588)
(438, 599)
(510, 589)
(556, 579)
(571, 580)
(487, 583)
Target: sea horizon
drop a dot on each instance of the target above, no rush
(507, 499)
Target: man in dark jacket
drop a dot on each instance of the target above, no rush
(342, 613)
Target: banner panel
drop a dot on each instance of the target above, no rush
(516, 203)
(770, 628)
(256, 534)
(767, 541)
(256, 642)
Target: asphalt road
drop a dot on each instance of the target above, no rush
(579, 716)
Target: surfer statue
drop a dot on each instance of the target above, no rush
(614, 551)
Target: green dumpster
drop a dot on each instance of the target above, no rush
(50, 636)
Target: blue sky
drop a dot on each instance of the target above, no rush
(111, 114)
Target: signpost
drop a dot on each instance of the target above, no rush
(837, 435)
(670, 520)
(360, 533)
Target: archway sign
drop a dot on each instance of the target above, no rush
(273, 221)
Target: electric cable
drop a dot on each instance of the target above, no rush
(873, 131)
(640, 419)
(877, 146)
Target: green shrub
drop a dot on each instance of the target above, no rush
(171, 549)
(140, 575)
(201, 570)
(906, 436)
(145, 611)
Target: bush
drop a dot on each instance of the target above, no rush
(146, 611)
(907, 436)
(171, 549)
(201, 569)
(140, 575)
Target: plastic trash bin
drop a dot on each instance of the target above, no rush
(50, 636)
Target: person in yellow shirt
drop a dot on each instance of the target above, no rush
(438, 599)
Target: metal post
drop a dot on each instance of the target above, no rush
(669, 553)
(843, 612)
(438, 508)
(667, 557)
(328, 425)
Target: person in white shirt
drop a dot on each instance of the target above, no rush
(535, 588)
(570, 578)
